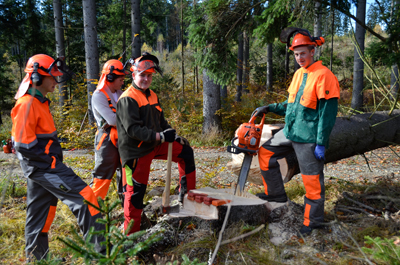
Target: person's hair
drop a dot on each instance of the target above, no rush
(310, 47)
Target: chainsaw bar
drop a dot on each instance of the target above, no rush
(244, 172)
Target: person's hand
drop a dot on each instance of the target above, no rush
(260, 111)
(167, 135)
(319, 152)
(182, 140)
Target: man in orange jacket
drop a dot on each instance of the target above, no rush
(143, 135)
(310, 114)
(104, 104)
(48, 179)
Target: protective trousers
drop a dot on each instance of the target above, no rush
(107, 162)
(137, 175)
(44, 188)
(311, 172)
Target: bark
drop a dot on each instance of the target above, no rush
(224, 96)
(124, 32)
(246, 67)
(91, 51)
(60, 47)
(269, 67)
(183, 48)
(317, 26)
(239, 71)
(358, 74)
(135, 18)
(211, 103)
(362, 133)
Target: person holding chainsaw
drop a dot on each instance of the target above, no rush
(37, 147)
(310, 114)
(104, 103)
(143, 135)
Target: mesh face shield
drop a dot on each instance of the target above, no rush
(144, 63)
(59, 71)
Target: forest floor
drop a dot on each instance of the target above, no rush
(348, 181)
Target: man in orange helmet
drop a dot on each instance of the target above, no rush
(104, 104)
(310, 114)
(143, 135)
(48, 179)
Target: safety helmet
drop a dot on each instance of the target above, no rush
(146, 63)
(111, 69)
(302, 38)
(43, 65)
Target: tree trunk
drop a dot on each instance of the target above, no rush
(394, 81)
(246, 66)
(317, 26)
(91, 51)
(239, 71)
(332, 32)
(124, 32)
(224, 96)
(60, 48)
(269, 67)
(211, 103)
(183, 46)
(135, 20)
(358, 74)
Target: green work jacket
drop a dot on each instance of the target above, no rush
(311, 108)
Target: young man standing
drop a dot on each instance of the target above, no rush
(310, 114)
(143, 135)
(48, 179)
(104, 104)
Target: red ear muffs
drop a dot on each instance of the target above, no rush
(319, 41)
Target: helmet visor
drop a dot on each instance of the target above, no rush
(289, 32)
(59, 71)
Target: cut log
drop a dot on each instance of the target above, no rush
(350, 136)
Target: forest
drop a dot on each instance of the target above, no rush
(220, 59)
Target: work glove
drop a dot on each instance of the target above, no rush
(182, 140)
(260, 111)
(319, 152)
(167, 135)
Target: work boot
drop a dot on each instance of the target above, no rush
(278, 198)
(183, 189)
(305, 231)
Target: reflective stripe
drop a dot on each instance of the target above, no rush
(53, 164)
(47, 149)
(307, 210)
(26, 146)
(109, 101)
(101, 141)
(49, 219)
(312, 186)
(87, 194)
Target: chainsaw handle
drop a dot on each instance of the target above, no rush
(253, 118)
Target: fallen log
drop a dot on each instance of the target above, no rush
(350, 136)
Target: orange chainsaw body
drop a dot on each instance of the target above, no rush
(249, 135)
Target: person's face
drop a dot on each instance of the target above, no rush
(48, 85)
(304, 57)
(143, 80)
(117, 84)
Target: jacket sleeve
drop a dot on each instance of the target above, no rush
(327, 110)
(278, 108)
(129, 117)
(100, 103)
(25, 140)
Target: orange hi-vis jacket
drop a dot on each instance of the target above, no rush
(34, 134)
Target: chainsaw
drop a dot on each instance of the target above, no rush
(248, 136)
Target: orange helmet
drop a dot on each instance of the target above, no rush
(111, 69)
(302, 38)
(43, 65)
(145, 63)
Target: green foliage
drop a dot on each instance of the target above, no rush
(5, 128)
(119, 246)
(187, 261)
(382, 250)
